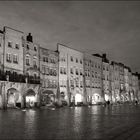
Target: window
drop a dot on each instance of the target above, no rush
(76, 71)
(77, 83)
(45, 59)
(65, 71)
(76, 60)
(107, 68)
(34, 64)
(61, 70)
(81, 73)
(10, 44)
(8, 57)
(71, 83)
(47, 71)
(15, 58)
(71, 70)
(88, 73)
(81, 84)
(95, 65)
(27, 47)
(81, 62)
(27, 61)
(43, 69)
(71, 58)
(35, 49)
(0, 44)
(95, 74)
(17, 46)
(92, 74)
(85, 73)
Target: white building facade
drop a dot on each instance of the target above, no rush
(71, 74)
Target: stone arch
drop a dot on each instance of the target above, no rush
(13, 97)
(96, 98)
(47, 97)
(30, 98)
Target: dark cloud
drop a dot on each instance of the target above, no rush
(90, 26)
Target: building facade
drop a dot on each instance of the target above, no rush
(126, 84)
(106, 79)
(71, 74)
(13, 51)
(1, 51)
(115, 82)
(68, 75)
(49, 75)
(93, 78)
(31, 59)
(15, 89)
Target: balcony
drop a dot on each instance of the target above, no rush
(14, 77)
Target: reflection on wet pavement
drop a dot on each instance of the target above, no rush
(96, 122)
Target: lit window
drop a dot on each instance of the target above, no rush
(8, 57)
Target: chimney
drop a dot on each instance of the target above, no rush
(29, 37)
(104, 55)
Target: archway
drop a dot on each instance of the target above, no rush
(96, 98)
(78, 99)
(107, 98)
(63, 98)
(47, 97)
(12, 98)
(30, 98)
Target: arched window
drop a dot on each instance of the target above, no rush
(35, 62)
(27, 60)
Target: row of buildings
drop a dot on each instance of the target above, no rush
(31, 75)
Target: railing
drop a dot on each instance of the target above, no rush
(14, 77)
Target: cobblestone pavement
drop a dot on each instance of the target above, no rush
(120, 122)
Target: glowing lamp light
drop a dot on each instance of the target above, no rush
(106, 97)
(78, 98)
(30, 98)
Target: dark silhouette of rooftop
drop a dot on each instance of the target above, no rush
(29, 37)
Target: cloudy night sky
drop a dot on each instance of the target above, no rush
(88, 26)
